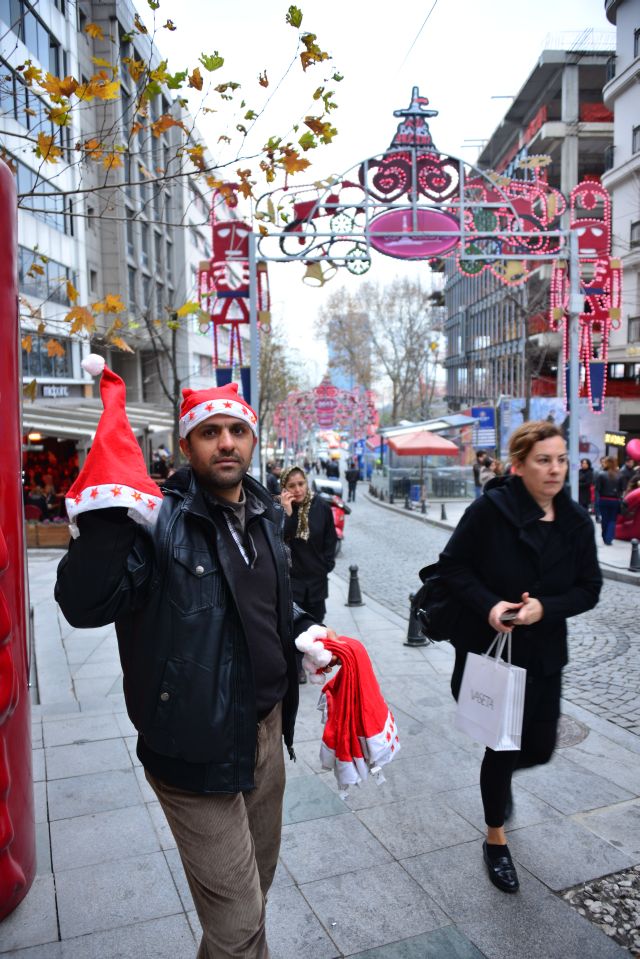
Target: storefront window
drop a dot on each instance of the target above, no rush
(37, 362)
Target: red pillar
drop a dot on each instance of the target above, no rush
(17, 829)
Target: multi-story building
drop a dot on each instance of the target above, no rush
(498, 341)
(622, 180)
(138, 231)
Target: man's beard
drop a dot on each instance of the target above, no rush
(213, 481)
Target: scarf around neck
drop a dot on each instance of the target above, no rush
(302, 531)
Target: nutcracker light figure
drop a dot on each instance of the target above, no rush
(600, 285)
(223, 289)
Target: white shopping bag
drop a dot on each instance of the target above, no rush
(491, 699)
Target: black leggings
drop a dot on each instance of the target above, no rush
(539, 732)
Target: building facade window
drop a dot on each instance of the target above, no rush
(44, 280)
(37, 362)
(131, 247)
(635, 140)
(636, 43)
(50, 207)
(132, 277)
(634, 234)
(633, 329)
(144, 244)
(24, 22)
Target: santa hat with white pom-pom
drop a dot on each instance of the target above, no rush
(114, 473)
(360, 734)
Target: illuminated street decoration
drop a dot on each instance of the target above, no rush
(224, 281)
(413, 202)
(600, 285)
(325, 407)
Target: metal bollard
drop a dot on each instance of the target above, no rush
(407, 502)
(414, 636)
(355, 596)
(443, 512)
(634, 561)
(423, 506)
(391, 499)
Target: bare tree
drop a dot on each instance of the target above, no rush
(386, 331)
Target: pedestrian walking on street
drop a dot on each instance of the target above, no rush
(524, 549)
(609, 488)
(477, 465)
(310, 534)
(205, 625)
(273, 478)
(352, 475)
(585, 483)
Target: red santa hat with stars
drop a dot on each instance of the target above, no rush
(360, 734)
(199, 405)
(114, 473)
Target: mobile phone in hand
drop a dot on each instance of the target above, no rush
(509, 615)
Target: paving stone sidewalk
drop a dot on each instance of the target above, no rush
(395, 872)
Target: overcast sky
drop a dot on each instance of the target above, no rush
(466, 54)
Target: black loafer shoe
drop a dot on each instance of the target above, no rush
(502, 872)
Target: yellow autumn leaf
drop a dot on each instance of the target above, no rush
(72, 293)
(136, 68)
(57, 88)
(197, 156)
(263, 79)
(27, 343)
(165, 122)
(112, 303)
(139, 25)
(60, 116)
(54, 348)
(81, 319)
(195, 80)
(94, 31)
(292, 162)
(35, 270)
(121, 344)
(94, 148)
(31, 73)
(99, 87)
(191, 306)
(112, 161)
(46, 149)
(101, 62)
(30, 389)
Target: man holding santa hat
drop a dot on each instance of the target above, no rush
(196, 580)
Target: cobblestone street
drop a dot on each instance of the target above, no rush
(603, 675)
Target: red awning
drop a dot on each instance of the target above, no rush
(373, 442)
(422, 443)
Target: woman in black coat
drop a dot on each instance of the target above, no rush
(310, 534)
(525, 549)
(585, 482)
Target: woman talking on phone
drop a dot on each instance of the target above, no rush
(521, 560)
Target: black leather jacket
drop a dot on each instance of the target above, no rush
(188, 679)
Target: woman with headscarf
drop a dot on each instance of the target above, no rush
(310, 534)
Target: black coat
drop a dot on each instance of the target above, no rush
(495, 555)
(312, 559)
(188, 679)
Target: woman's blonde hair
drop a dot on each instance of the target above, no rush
(525, 437)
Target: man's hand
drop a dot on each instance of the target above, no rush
(499, 610)
(531, 611)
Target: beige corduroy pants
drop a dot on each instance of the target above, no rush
(229, 845)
